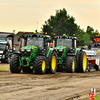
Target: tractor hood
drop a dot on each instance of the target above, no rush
(28, 47)
(60, 47)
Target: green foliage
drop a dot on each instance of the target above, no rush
(47, 28)
(84, 38)
(91, 31)
(60, 24)
(63, 23)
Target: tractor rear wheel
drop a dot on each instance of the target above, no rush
(14, 64)
(83, 62)
(27, 70)
(40, 65)
(53, 62)
(70, 64)
(77, 61)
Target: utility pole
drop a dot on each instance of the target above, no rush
(37, 26)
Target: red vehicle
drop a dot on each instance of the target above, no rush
(93, 54)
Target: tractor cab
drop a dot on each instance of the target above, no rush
(64, 41)
(29, 41)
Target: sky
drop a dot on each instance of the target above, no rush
(29, 15)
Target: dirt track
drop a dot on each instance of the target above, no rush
(59, 86)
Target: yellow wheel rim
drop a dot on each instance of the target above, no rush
(19, 67)
(53, 63)
(84, 62)
(43, 65)
(73, 65)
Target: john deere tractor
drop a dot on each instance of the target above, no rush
(35, 54)
(68, 55)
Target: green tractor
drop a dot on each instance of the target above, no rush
(34, 55)
(68, 55)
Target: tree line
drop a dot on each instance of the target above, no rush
(62, 23)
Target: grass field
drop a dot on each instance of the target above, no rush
(96, 98)
(4, 68)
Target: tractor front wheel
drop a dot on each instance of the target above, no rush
(53, 62)
(40, 65)
(70, 64)
(14, 64)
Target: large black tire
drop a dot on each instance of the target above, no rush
(77, 62)
(53, 62)
(14, 64)
(40, 65)
(83, 62)
(27, 70)
(70, 64)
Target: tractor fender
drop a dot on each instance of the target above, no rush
(78, 52)
(41, 54)
(18, 53)
(9, 55)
